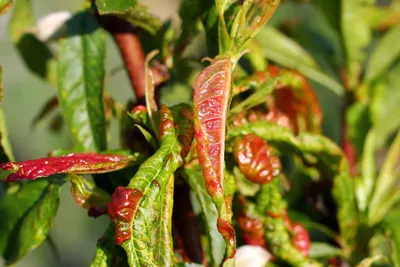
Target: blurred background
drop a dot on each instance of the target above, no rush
(75, 234)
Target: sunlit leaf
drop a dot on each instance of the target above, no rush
(28, 211)
(80, 84)
(114, 6)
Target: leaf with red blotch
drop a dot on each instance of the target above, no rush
(255, 159)
(210, 101)
(78, 163)
(300, 237)
(250, 224)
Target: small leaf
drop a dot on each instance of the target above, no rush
(79, 163)
(208, 212)
(385, 54)
(324, 250)
(371, 260)
(5, 5)
(114, 6)
(80, 85)
(28, 211)
(22, 23)
(290, 54)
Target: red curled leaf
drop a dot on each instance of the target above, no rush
(228, 232)
(274, 115)
(251, 225)
(255, 159)
(79, 163)
(210, 99)
(300, 237)
(121, 210)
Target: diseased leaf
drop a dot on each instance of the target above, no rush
(22, 23)
(79, 163)
(385, 54)
(80, 84)
(5, 5)
(142, 212)
(290, 54)
(28, 211)
(209, 213)
(114, 6)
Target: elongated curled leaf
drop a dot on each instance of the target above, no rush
(80, 85)
(255, 159)
(210, 103)
(88, 196)
(27, 214)
(143, 221)
(79, 163)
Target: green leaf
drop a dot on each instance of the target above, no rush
(105, 249)
(138, 16)
(5, 5)
(22, 23)
(391, 223)
(290, 54)
(324, 250)
(149, 87)
(358, 123)
(80, 85)
(114, 6)
(209, 214)
(385, 184)
(368, 172)
(384, 55)
(347, 214)
(356, 36)
(367, 262)
(28, 211)
(150, 238)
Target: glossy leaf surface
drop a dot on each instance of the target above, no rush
(79, 163)
(28, 211)
(80, 84)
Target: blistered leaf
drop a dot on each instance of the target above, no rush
(114, 6)
(28, 211)
(142, 212)
(290, 54)
(80, 84)
(209, 214)
(22, 23)
(385, 53)
(79, 163)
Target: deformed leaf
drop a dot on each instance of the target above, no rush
(114, 6)
(80, 84)
(142, 212)
(209, 213)
(79, 163)
(28, 211)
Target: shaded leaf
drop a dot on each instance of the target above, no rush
(22, 22)
(114, 6)
(290, 54)
(358, 123)
(48, 107)
(385, 54)
(79, 163)
(80, 84)
(28, 211)
(208, 212)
